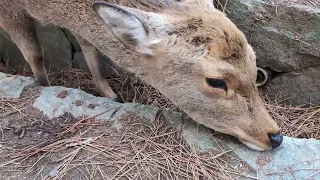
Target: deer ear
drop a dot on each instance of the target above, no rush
(127, 27)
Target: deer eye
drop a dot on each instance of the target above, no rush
(217, 83)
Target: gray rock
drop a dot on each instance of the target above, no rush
(9, 52)
(56, 101)
(197, 136)
(294, 159)
(144, 111)
(12, 86)
(56, 47)
(286, 39)
(298, 87)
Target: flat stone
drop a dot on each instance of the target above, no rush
(55, 101)
(198, 137)
(294, 159)
(12, 86)
(144, 111)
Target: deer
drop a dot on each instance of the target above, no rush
(188, 50)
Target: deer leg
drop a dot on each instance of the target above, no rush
(92, 57)
(21, 29)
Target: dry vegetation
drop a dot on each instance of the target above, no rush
(302, 122)
(312, 3)
(32, 147)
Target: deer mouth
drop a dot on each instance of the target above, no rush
(255, 146)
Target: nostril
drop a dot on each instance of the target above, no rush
(276, 139)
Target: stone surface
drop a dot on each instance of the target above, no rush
(12, 86)
(295, 84)
(56, 47)
(56, 101)
(286, 39)
(9, 52)
(294, 159)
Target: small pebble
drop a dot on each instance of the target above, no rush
(62, 94)
(92, 106)
(77, 102)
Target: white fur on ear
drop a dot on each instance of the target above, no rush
(126, 27)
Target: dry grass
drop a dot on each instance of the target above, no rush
(302, 122)
(312, 3)
(88, 149)
(221, 4)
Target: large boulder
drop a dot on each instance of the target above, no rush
(9, 52)
(56, 47)
(286, 38)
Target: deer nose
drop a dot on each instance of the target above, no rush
(276, 139)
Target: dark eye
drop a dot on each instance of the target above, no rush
(217, 83)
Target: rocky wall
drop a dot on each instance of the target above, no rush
(286, 38)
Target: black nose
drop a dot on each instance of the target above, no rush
(276, 140)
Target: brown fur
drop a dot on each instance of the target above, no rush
(201, 43)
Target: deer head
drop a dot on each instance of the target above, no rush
(202, 62)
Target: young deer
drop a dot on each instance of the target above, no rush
(189, 51)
